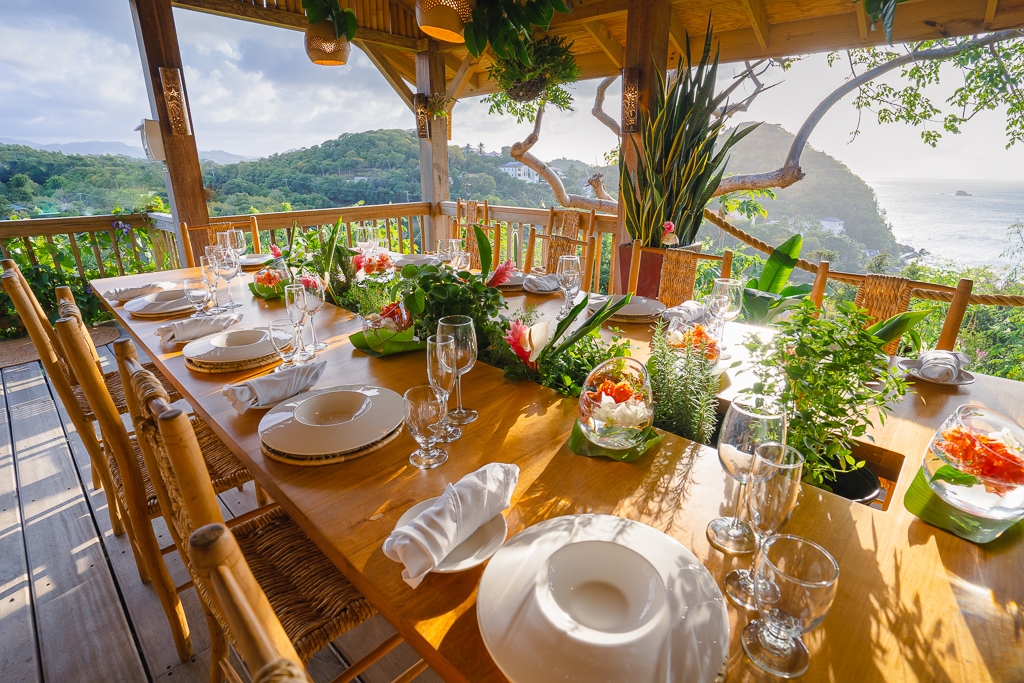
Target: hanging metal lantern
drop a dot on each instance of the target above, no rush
(444, 19)
(324, 47)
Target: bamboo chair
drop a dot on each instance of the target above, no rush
(573, 223)
(558, 246)
(310, 599)
(211, 231)
(464, 230)
(678, 271)
(884, 296)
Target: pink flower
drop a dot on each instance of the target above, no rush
(502, 274)
(358, 261)
(517, 337)
(669, 226)
(275, 251)
(309, 282)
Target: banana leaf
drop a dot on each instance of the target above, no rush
(780, 265)
(892, 329)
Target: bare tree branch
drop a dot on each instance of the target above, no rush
(727, 110)
(790, 171)
(521, 153)
(596, 181)
(598, 110)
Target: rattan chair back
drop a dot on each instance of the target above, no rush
(195, 238)
(678, 271)
(558, 246)
(578, 225)
(468, 214)
(884, 296)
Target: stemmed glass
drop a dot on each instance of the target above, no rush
(461, 329)
(227, 268)
(295, 305)
(796, 584)
(441, 372)
(236, 241)
(570, 276)
(425, 415)
(727, 304)
(751, 420)
(208, 265)
(314, 301)
(198, 294)
(460, 257)
(772, 494)
(282, 336)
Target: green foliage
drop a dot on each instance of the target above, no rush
(895, 327)
(524, 84)
(509, 26)
(746, 202)
(884, 11)
(42, 280)
(344, 19)
(681, 161)
(832, 376)
(685, 388)
(770, 295)
(367, 297)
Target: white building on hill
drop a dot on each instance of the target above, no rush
(833, 225)
(519, 170)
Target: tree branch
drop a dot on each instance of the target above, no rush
(791, 171)
(598, 110)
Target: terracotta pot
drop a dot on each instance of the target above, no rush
(444, 19)
(650, 270)
(322, 47)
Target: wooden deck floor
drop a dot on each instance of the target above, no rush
(72, 607)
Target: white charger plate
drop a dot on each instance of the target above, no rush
(255, 259)
(337, 419)
(472, 552)
(913, 368)
(637, 306)
(230, 346)
(167, 301)
(416, 260)
(529, 648)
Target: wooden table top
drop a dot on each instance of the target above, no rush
(914, 602)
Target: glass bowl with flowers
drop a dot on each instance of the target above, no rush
(616, 408)
(393, 318)
(269, 282)
(682, 335)
(369, 264)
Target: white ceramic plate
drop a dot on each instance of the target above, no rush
(255, 259)
(913, 368)
(333, 420)
(472, 552)
(416, 260)
(637, 306)
(167, 301)
(534, 642)
(230, 346)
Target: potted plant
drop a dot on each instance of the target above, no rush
(329, 31)
(680, 162)
(536, 73)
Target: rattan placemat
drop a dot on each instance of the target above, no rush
(634, 318)
(232, 366)
(165, 315)
(511, 288)
(330, 458)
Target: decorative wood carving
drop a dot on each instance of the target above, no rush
(177, 105)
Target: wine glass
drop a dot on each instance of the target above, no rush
(237, 241)
(570, 276)
(198, 294)
(460, 327)
(442, 374)
(751, 420)
(772, 493)
(228, 267)
(801, 579)
(728, 300)
(461, 259)
(282, 336)
(315, 296)
(208, 266)
(295, 305)
(425, 415)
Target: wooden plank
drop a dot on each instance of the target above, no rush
(73, 239)
(83, 633)
(677, 34)
(18, 647)
(359, 641)
(59, 226)
(117, 251)
(759, 21)
(388, 70)
(461, 78)
(990, 11)
(606, 41)
(98, 254)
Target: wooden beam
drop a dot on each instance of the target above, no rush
(990, 12)
(587, 10)
(759, 21)
(677, 34)
(606, 41)
(434, 179)
(863, 22)
(391, 74)
(462, 76)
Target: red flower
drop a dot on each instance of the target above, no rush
(502, 274)
(669, 226)
(517, 337)
(309, 282)
(358, 261)
(275, 251)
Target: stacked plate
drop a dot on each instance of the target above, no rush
(404, 260)
(639, 309)
(332, 425)
(601, 599)
(250, 262)
(230, 351)
(169, 303)
(513, 284)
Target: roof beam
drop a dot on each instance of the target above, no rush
(759, 21)
(677, 34)
(389, 71)
(461, 78)
(862, 20)
(990, 12)
(586, 10)
(606, 41)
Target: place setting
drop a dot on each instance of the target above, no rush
(166, 303)
(945, 368)
(639, 309)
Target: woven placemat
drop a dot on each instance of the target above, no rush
(331, 458)
(233, 366)
(254, 268)
(22, 350)
(510, 288)
(634, 318)
(167, 315)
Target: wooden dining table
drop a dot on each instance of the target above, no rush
(914, 602)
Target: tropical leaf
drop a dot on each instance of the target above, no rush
(780, 265)
(485, 249)
(892, 329)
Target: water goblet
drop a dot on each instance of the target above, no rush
(198, 294)
(801, 579)
(424, 418)
(751, 420)
(208, 266)
(228, 267)
(315, 296)
(728, 301)
(772, 493)
(282, 336)
(461, 260)
(295, 305)
(570, 276)
(442, 374)
(460, 328)
(236, 241)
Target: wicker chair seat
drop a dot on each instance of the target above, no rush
(113, 382)
(226, 471)
(313, 600)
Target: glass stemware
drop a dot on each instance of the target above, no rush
(750, 421)
(461, 259)
(236, 241)
(198, 294)
(442, 374)
(727, 299)
(228, 267)
(447, 249)
(772, 494)
(569, 273)
(460, 327)
(316, 292)
(208, 266)
(424, 418)
(295, 305)
(282, 336)
(796, 584)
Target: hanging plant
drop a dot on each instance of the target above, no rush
(437, 105)
(540, 78)
(507, 25)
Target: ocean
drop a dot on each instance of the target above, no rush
(927, 214)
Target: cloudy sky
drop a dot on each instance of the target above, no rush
(70, 71)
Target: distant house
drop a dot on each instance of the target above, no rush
(833, 225)
(519, 170)
(560, 172)
(585, 187)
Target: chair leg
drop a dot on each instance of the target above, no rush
(369, 659)
(261, 496)
(153, 559)
(218, 647)
(412, 672)
(140, 561)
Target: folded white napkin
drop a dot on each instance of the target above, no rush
(462, 509)
(194, 328)
(122, 294)
(541, 284)
(941, 366)
(689, 312)
(273, 388)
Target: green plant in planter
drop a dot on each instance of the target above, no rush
(344, 19)
(681, 160)
(685, 389)
(508, 26)
(525, 83)
(833, 378)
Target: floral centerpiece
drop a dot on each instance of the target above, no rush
(616, 407)
(269, 282)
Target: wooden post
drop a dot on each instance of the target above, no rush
(158, 47)
(647, 26)
(434, 184)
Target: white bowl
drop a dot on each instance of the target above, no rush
(326, 410)
(231, 346)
